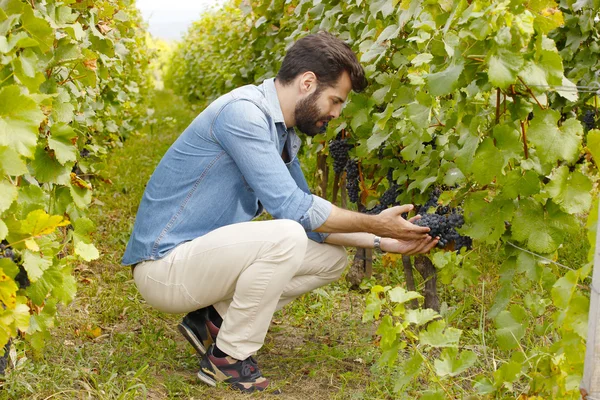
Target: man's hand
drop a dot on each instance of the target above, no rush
(396, 227)
(408, 247)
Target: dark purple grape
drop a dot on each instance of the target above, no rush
(352, 180)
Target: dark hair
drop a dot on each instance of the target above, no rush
(324, 55)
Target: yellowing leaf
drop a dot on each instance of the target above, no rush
(8, 291)
(32, 245)
(39, 223)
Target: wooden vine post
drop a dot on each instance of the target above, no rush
(590, 385)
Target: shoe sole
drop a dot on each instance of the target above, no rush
(206, 379)
(191, 337)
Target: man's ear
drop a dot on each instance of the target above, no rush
(308, 82)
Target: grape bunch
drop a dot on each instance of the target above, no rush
(589, 119)
(444, 226)
(434, 196)
(338, 150)
(352, 180)
(387, 199)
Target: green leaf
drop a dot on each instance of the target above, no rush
(469, 143)
(487, 162)
(423, 58)
(418, 114)
(35, 265)
(388, 332)
(38, 28)
(553, 144)
(509, 330)
(504, 67)
(377, 138)
(87, 251)
(449, 365)
(390, 32)
(61, 141)
(520, 183)
(67, 288)
(508, 141)
(9, 194)
(570, 190)
(20, 118)
(444, 82)
(542, 230)
(48, 170)
(421, 316)
(407, 372)
(507, 373)
(82, 197)
(62, 109)
(437, 336)
(484, 219)
(484, 385)
(3, 231)
(11, 163)
(593, 144)
(563, 289)
(401, 295)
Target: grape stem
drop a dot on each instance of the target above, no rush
(531, 93)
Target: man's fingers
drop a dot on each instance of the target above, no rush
(425, 246)
(404, 208)
(415, 218)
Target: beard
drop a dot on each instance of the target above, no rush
(307, 114)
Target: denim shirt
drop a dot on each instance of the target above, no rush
(222, 170)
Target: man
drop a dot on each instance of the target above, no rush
(194, 247)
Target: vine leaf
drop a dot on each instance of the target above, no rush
(35, 265)
(486, 220)
(9, 194)
(421, 317)
(20, 118)
(38, 28)
(61, 141)
(510, 330)
(503, 68)
(11, 163)
(487, 162)
(444, 82)
(593, 144)
(437, 335)
(449, 365)
(401, 295)
(542, 229)
(570, 190)
(8, 291)
(554, 143)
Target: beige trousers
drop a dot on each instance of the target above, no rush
(247, 271)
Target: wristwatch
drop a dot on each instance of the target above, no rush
(377, 243)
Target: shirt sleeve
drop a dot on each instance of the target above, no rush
(321, 208)
(242, 129)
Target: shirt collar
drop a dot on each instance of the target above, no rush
(273, 100)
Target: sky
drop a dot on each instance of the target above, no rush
(170, 19)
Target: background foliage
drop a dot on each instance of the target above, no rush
(482, 98)
(73, 84)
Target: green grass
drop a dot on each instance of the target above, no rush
(108, 344)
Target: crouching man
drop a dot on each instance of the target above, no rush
(194, 248)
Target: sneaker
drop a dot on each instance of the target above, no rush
(242, 375)
(198, 330)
